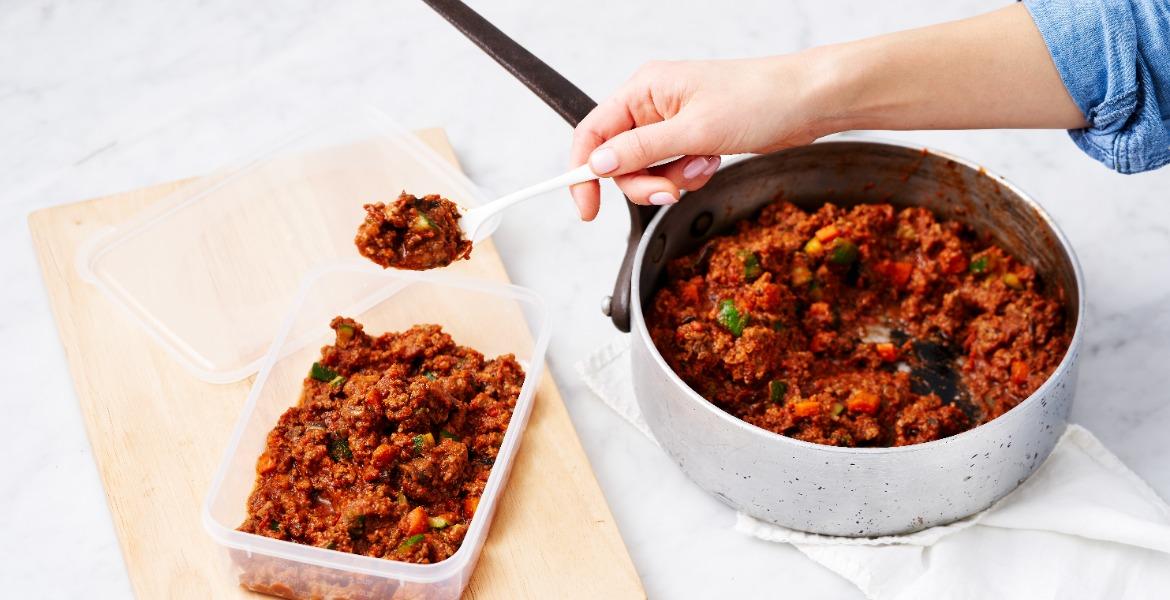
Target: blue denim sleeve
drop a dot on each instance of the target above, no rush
(1114, 58)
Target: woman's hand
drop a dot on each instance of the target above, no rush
(990, 71)
(701, 109)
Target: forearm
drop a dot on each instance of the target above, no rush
(990, 71)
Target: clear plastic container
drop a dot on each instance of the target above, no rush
(389, 301)
(209, 270)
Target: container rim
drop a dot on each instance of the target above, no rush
(639, 324)
(476, 534)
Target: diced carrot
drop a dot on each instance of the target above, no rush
(416, 521)
(899, 273)
(801, 276)
(1019, 372)
(374, 399)
(1013, 281)
(886, 351)
(767, 297)
(863, 402)
(828, 233)
(806, 408)
(266, 464)
(470, 505)
(382, 455)
(814, 247)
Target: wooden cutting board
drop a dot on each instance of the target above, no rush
(158, 434)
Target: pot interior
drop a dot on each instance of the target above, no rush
(858, 172)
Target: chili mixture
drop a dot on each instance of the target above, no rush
(412, 233)
(812, 325)
(388, 451)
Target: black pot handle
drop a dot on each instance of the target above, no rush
(570, 103)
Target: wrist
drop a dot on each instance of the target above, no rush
(834, 89)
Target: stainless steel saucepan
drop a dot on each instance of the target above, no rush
(805, 486)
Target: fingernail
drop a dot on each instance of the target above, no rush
(661, 198)
(695, 167)
(712, 165)
(603, 160)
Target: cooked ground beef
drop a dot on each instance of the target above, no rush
(815, 326)
(412, 233)
(388, 451)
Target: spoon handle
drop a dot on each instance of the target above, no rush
(580, 174)
(473, 219)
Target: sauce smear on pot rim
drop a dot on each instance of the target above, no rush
(817, 325)
(412, 233)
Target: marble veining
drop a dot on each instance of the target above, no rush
(102, 97)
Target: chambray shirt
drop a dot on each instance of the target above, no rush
(1114, 58)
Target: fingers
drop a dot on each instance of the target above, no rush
(633, 149)
(644, 188)
(627, 132)
(689, 172)
(587, 197)
(603, 122)
(663, 185)
(659, 186)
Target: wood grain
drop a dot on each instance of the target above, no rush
(157, 434)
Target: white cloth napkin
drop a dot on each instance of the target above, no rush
(1083, 526)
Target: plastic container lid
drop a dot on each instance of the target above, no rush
(210, 270)
(488, 317)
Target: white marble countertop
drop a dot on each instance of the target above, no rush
(103, 97)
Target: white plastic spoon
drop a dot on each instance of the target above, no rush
(472, 221)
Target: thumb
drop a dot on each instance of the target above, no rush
(640, 147)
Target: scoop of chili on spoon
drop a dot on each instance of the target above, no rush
(430, 232)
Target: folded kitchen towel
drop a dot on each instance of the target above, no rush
(1083, 526)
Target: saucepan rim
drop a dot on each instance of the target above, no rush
(639, 324)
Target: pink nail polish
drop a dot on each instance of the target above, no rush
(712, 166)
(603, 160)
(661, 198)
(695, 167)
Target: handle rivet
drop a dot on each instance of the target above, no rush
(702, 224)
(607, 306)
(657, 248)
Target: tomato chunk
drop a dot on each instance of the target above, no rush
(955, 263)
(821, 341)
(690, 291)
(886, 351)
(820, 314)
